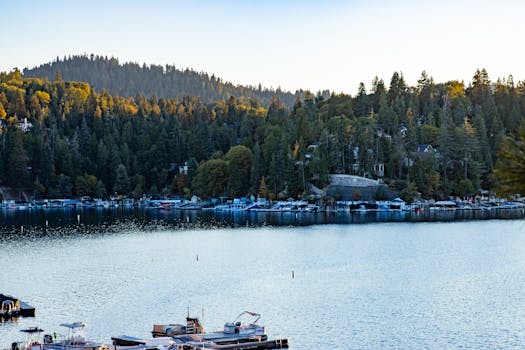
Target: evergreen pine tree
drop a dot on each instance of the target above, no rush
(122, 185)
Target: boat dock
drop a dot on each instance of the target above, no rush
(26, 310)
(13, 307)
(236, 335)
(263, 344)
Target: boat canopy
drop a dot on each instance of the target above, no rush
(73, 325)
(32, 330)
(252, 314)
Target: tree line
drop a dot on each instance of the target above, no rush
(62, 138)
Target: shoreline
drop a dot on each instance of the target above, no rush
(117, 219)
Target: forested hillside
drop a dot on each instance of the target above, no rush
(60, 139)
(132, 79)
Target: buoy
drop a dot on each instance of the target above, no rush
(47, 223)
(187, 219)
(22, 229)
(78, 218)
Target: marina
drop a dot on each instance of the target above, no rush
(40, 221)
(261, 205)
(235, 336)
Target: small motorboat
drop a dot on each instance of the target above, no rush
(237, 327)
(32, 342)
(73, 341)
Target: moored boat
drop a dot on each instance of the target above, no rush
(73, 341)
(236, 335)
(32, 342)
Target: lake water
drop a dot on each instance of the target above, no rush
(378, 285)
(14, 219)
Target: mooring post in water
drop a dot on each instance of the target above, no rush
(293, 274)
(197, 257)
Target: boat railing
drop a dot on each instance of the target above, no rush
(7, 306)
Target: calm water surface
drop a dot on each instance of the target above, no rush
(380, 285)
(75, 217)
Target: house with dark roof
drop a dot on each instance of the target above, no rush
(425, 149)
(403, 130)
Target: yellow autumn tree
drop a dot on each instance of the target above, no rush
(43, 97)
(3, 114)
(456, 89)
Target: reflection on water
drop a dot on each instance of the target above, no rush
(73, 217)
(383, 285)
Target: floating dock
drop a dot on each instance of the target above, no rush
(13, 307)
(235, 335)
(264, 344)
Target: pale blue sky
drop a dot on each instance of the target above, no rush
(294, 44)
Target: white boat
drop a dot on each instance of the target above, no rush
(444, 205)
(237, 327)
(73, 341)
(32, 342)
(236, 335)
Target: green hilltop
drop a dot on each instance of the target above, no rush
(131, 79)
